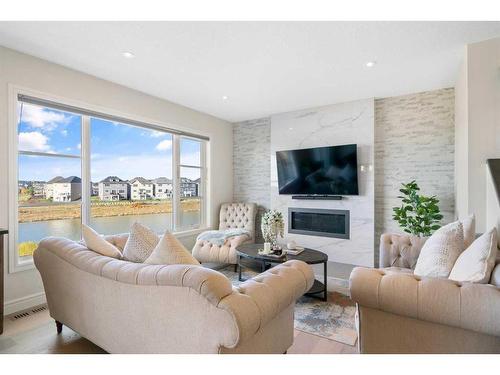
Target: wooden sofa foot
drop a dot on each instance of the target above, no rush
(59, 327)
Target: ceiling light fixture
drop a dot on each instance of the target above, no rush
(128, 55)
(370, 64)
(225, 98)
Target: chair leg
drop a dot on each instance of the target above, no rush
(236, 267)
(59, 327)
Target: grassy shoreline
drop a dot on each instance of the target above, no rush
(29, 214)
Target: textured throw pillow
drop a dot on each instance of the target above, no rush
(95, 242)
(140, 244)
(170, 251)
(440, 251)
(469, 224)
(477, 261)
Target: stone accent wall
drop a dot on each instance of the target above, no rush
(251, 160)
(414, 140)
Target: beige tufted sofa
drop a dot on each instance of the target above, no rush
(232, 215)
(127, 307)
(399, 312)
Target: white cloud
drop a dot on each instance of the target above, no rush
(64, 133)
(79, 146)
(33, 141)
(157, 134)
(41, 118)
(164, 145)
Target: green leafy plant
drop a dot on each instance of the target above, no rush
(418, 215)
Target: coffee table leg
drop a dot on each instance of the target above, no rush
(325, 280)
(239, 267)
(263, 266)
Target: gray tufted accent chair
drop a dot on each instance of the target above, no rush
(231, 216)
(238, 215)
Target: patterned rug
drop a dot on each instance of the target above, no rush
(332, 319)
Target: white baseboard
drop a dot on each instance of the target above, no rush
(24, 303)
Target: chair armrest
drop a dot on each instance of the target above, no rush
(260, 299)
(464, 305)
(400, 250)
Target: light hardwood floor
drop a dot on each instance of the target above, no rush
(36, 333)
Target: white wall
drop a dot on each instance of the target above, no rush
(337, 124)
(35, 74)
(478, 126)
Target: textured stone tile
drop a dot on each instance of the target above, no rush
(251, 160)
(414, 140)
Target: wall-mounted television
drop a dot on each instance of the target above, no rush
(331, 170)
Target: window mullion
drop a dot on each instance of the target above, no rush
(176, 201)
(86, 179)
(203, 187)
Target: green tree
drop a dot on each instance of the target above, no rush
(418, 215)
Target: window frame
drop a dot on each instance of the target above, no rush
(15, 263)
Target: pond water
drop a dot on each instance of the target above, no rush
(71, 228)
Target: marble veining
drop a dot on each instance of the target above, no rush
(337, 124)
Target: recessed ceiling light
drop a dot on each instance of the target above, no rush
(290, 128)
(370, 64)
(128, 55)
(225, 98)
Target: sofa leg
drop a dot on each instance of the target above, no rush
(236, 267)
(59, 327)
(286, 351)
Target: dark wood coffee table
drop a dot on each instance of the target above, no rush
(309, 256)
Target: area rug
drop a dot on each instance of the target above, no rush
(332, 319)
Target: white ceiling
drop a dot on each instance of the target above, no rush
(263, 67)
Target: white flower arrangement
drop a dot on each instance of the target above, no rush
(272, 226)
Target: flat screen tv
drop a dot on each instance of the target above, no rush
(329, 170)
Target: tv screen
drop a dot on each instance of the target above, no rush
(329, 170)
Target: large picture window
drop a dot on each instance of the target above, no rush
(77, 167)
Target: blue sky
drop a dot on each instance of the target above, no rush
(116, 149)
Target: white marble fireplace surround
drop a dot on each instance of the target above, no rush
(331, 125)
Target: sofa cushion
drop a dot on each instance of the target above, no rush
(170, 251)
(440, 251)
(140, 244)
(469, 225)
(95, 242)
(477, 261)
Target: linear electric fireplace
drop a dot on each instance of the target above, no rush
(319, 222)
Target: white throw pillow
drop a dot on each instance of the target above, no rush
(469, 224)
(140, 244)
(170, 251)
(440, 251)
(95, 242)
(477, 261)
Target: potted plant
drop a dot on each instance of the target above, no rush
(418, 215)
(272, 225)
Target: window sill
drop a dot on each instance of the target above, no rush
(190, 232)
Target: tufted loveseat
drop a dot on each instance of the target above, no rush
(127, 307)
(232, 216)
(399, 312)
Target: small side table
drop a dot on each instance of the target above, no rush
(3, 232)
